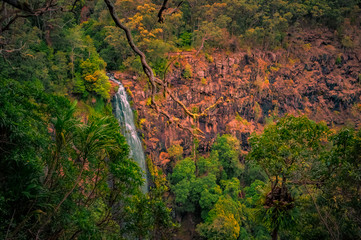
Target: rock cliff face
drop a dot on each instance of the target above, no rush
(315, 76)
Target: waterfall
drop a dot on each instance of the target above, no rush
(124, 113)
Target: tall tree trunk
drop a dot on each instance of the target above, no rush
(275, 233)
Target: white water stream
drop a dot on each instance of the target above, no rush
(124, 113)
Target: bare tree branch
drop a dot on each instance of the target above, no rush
(25, 7)
(7, 26)
(73, 7)
(161, 10)
(147, 69)
(164, 7)
(20, 5)
(27, 11)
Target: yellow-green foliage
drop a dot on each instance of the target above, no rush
(187, 71)
(347, 42)
(223, 221)
(151, 167)
(141, 122)
(176, 64)
(209, 58)
(235, 67)
(129, 92)
(242, 120)
(116, 88)
(273, 115)
(135, 112)
(275, 68)
(94, 77)
(292, 61)
(204, 81)
(159, 179)
(266, 81)
(307, 47)
(195, 109)
(175, 151)
(158, 97)
(338, 59)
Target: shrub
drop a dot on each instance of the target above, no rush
(187, 72)
(209, 58)
(347, 42)
(204, 81)
(338, 60)
(185, 39)
(176, 64)
(175, 151)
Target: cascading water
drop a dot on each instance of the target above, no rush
(124, 113)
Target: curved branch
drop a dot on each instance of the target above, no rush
(27, 11)
(161, 10)
(147, 69)
(20, 5)
(12, 20)
(164, 7)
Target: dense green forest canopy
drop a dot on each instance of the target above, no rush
(65, 167)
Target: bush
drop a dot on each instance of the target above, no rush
(175, 151)
(187, 72)
(347, 42)
(204, 81)
(185, 39)
(338, 60)
(209, 58)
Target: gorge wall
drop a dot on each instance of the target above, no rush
(314, 75)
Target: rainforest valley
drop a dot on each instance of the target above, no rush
(170, 119)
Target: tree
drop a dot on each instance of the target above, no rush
(196, 189)
(339, 200)
(62, 178)
(213, 27)
(182, 179)
(228, 149)
(223, 221)
(175, 151)
(94, 76)
(288, 151)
